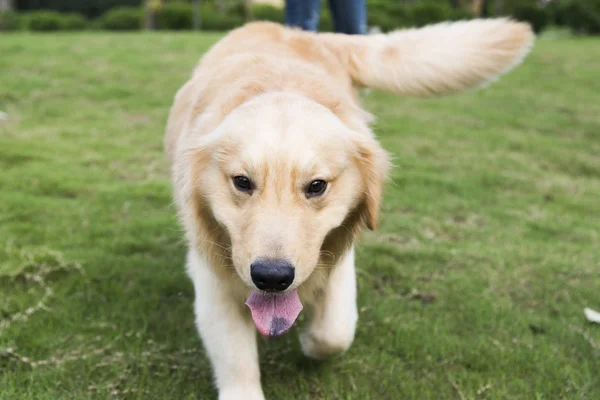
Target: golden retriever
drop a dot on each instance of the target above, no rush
(275, 170)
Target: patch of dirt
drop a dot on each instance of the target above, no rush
(112, 356)
(34, 269)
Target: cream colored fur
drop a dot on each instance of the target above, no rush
(437, 59)
(280, 106)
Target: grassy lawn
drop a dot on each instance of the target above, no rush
(474, 287)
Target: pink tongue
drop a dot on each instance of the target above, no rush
(274, 314)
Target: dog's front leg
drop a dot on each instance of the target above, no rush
(334, 315)
(228, 333)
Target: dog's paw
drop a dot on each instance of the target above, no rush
(320, 347)
(241, 393)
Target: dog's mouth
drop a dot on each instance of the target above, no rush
(274, 314)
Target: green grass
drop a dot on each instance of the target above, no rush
(474, 287)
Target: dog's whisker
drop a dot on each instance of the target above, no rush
(226, 248)
(327, 254)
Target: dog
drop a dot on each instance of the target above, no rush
(275, 171)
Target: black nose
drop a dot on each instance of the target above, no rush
(272, 275)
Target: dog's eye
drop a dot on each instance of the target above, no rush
(242, 183)
(316, 188)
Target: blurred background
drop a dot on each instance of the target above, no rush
(581, 16)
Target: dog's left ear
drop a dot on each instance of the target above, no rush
(373, 163)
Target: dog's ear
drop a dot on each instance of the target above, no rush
(191, 159)
(373, 164)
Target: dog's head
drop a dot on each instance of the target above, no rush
(283, 184)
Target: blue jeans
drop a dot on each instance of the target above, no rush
(349, 16)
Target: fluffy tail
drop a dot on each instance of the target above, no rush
(434, 60)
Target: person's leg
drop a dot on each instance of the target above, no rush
(349, 16)
(303, 14)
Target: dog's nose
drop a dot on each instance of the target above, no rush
(272, 275)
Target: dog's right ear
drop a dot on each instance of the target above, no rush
(191, 160)
(193, 152)
(373, 164)
(195, 213)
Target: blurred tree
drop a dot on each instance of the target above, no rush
(90, 8)
(221, 5)
(196, 15)
(225, 6)
(6, 5)
(248, 9)
(151, 7)
(499, 7)
(477, 7)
